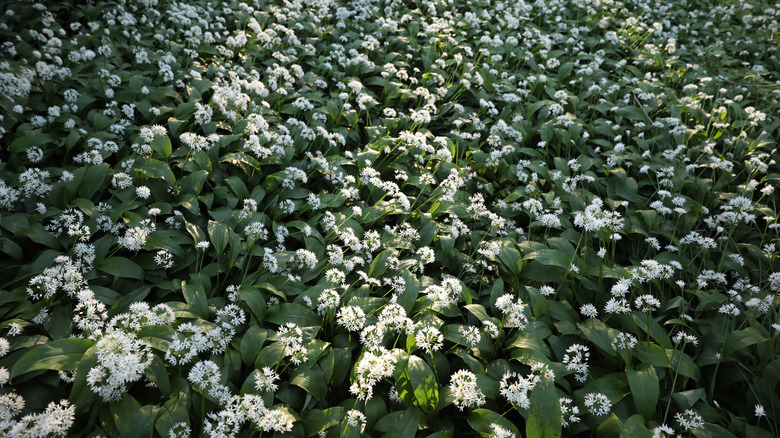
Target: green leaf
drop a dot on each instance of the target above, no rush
(544, 416)
(400, 423)
(321, 421)
(157, 169)
(634, 113)
(686, 399)
(239, 188)
(195, 296)
(63, 354)
(510, 257)
(481, 420)
(624, 188)
(162, 145)
(741, 339)
(252, 343)
(80, 395)
(157, 374)
(634, 427)
(29, 140)
(296, 313)
(220, 234)
(173, 411)
(714, 431)
(12, 249)
(131, 419)
(426, 389)
(38, 234)
(596, 332)
(93, 180)
(652, 354)
(120, 267)
(270, 355)
(611, 427)
(379, 264)
(478, 310)
(255, 300)
(550, 257)
(645, 389)
(312, 381)
(683, 363)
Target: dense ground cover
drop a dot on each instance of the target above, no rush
(452, 218)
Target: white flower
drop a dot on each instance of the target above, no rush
(5, 346)
(598, 403)
(429, 338)
(351, 318)
(463, 384)
(576, 359)
(689, 420)
(355, 418)
(122, 359)
(265, 381)
(143, 192)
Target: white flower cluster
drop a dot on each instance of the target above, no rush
(513, 310)
(122, 359)
(55, 420)
(193, 338)
(373, 366)
(463, 385)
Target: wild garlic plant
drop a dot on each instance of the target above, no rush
(331, 218)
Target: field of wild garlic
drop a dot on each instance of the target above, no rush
(412, 218)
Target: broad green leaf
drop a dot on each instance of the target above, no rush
(611, 427)
(38, 234)
(220, 234)
(311, 381)
(651, 354)
(426, 389)
(80, 394)
(120, 267)
(710, 430)
(157, 169)
(510, 257)
(597, 332)
(379, 264)
(12, 249)
(634, 114)
(634, 427)
(29, 140)
(478, 311)
(295, 313)
(93, 180)
(551, 257)
(270, 355)
(132, 419)
(252, 343)
(741, 339)
(687, 399)
(173, 411)
(62, 354)
(400, 423)
(157, 374)
(481, 420)
(255, 300)
(195, 296)
(162, 145)
(544, 415)
(645, 389)
(683, 364)
(321, 421)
